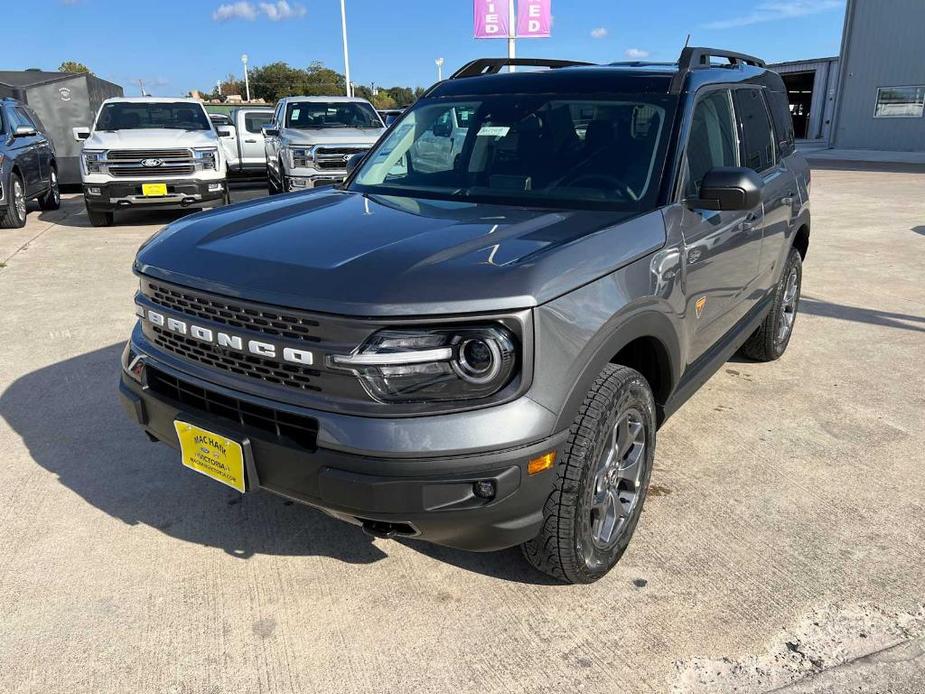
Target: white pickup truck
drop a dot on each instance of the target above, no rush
(312, 137)
(151, 152)
(244, 143)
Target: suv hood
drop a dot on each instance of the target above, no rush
(150, 138)
(334, 136)
(353, 254)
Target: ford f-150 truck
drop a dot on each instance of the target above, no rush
(150, 152)
(311, 138)
(244, 142)
(478, 351)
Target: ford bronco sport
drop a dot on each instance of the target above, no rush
(474, 341)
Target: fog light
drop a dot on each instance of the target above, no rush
(215, 187)
(298, 182)
(93, 190)
(484, 489)
(544, 462)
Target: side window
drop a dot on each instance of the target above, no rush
(783, 122)
(277, 115)
(712, 141)
(253, 122)
(756, 130)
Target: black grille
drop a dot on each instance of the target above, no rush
(291, 375)
(221, 310)
(302, 430)
(139, 154)
(331, 165)
(163, 170)
(328, 158)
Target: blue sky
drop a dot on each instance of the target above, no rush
(178, 45)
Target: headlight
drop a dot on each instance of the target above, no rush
(206, 157)
(301, 157)
(93, 159)
(465, 363)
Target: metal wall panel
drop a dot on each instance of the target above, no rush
(883, 46)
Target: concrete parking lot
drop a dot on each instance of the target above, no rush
(782, 545)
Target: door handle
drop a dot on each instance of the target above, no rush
(251, 142)
(787, 199)
(748, 224)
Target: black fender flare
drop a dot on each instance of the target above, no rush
(602, 350)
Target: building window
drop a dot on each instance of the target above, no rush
(900, 102)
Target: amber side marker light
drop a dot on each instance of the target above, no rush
(544, 462)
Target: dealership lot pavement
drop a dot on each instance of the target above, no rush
(782, 546)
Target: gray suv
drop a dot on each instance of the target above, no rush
(28, 168)
(475, 338)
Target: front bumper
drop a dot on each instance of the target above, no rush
(309, 178)
(181, 193)
(432, 498)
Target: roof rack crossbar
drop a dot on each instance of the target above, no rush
(491, 66)
(693, 57)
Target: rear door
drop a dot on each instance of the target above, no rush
(249, 123)
(721, 247)
(760, 152)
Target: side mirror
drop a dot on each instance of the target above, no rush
(224, 132)
(270, 131)
(354, 161)
(24, 131)
(729, 188)
(81, 133)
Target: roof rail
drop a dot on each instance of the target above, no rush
(698, 56)
(491, 66)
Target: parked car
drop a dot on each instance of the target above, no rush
(151, 152)
(311, 138)
(28, 169)
(480, 354)
(244, 143)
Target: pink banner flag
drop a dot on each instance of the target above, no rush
(534, 18)
(491, 19)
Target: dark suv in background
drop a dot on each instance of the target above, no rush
(28, 169)
(474, 339)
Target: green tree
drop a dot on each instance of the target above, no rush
(74, 66)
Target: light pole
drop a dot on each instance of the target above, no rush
(511, 32)
(247, 84)
(343, 25)
(439, 63)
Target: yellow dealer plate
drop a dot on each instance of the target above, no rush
(154, 189)
(211, 454)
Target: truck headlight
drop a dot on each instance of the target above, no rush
(465, 363)
(93, 160)
(301, 157)
(206, 157)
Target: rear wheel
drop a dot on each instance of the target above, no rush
(601, 482)
(100, 218)
(770, 340)
(14, 216)
(52, 199)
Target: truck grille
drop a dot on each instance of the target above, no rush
(221, 310)
(302, 430)
(163, 170)
(333, 157)
(139, 154)
(127, 162)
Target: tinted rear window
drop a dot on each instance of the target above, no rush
(756, 126)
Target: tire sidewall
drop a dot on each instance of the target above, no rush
(636, 395)
(13, 214)
(794, 261)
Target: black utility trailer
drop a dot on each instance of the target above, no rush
(63, 100)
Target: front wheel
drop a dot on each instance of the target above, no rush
(770, 340)
(601, 482)
(100, 218)
(14, 216)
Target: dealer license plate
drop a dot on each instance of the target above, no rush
(154, 190)
(211, 454)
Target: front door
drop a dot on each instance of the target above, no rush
(25, 151)
(250, 136)
(722, 248)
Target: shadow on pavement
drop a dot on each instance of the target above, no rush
(69, 416)
(826, 309)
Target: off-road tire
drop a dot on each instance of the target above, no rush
(11, 216)
(52, 199)
(767, 343)
(560, 547)
(100, 218)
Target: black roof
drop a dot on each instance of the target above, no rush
(31, 78)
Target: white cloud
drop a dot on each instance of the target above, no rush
(636, 53)
(274, 11)
(599, 33)
(776, 10)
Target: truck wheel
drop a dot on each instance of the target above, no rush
(14, 216)
(52, 199)
(100, 218)
(601, 482)
(770, 340)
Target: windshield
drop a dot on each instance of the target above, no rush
(537, 150)
(134, 115)
(307, 115)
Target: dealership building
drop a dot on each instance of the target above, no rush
(871, 97)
